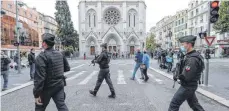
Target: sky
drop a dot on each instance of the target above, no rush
(155, 11)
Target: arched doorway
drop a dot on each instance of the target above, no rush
(112, 46)
(114, 43)
(132, 47)
(92, 48)
(133, 44)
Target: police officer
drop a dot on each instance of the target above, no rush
(49, 80)
(104, 73)
(191, 72)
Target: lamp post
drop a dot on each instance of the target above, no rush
(17, 34)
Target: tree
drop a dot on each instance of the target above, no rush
(222, 25)
(74, 40)
(65, 25)
(150, 42)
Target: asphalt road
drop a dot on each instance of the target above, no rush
(155, 95)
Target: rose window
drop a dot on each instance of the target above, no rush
(112, 16)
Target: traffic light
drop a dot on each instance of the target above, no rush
(202, 35)
(214, 8)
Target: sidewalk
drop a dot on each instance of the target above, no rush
(218, 78)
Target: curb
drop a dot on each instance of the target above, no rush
(208, 94)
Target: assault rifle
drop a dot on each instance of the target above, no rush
(178, 70)
(93, 61)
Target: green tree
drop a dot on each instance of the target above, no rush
(150, 42)
(222, 25)
(65, 25)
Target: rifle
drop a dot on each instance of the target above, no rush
(178, 70)
(93, 61)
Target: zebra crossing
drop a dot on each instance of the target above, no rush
(84, 77)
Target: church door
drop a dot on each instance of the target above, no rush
(92, 50)
(131, 50)
(110, 48)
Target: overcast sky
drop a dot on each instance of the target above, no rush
(156, 9)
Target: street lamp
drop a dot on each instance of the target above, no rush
(17, 34)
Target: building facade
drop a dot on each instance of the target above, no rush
(164, 32)
(49, 25)
(32, 24)
(120, 23)
(180, 26)
(197, 20)
(28, 28)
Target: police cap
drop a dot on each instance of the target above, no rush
(48, 38)
(188, 38)
(104, 45)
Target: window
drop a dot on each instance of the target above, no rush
(201, 19)
(182, 20)
(94, 21)
(89, 20)
(192, 5)
(196, 21)
(197, 11)
(134, 20)
(9, 6)
(129, 20)
(196, 2)
(192, 14)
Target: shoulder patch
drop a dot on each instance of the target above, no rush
(187, 68)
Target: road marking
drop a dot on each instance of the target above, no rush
(208, 94)
(159, 81)
(104, 81)
(125, 104)
(137, 77)
(77, 66)
(16, 88)
(88, 77)
(25, 85)
(121, 79)
(17, 84)
(76, 75)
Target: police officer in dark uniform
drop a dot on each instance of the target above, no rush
(103, 60)
(49, 80)
(191, 71)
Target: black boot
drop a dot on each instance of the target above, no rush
(92, 92)
(112, 95)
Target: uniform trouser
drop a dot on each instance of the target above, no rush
(58, 96)
(32, 70)
(137, 66)
(104, 74)
(183, 94)
(5, 75)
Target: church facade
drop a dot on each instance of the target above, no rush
(119, 23)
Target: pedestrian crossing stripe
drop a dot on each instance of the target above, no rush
(88, 77)
(120, 78)
(138, 78)
(76, 75)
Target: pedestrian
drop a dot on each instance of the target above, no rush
(138, 60)
(31, 59)
(16, 61)
(191, 72)
(5, 61)
(84, 56)
(103, 60)
(49, 79)
(145, 65)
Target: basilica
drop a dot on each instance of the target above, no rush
(119, 23)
